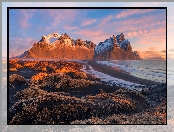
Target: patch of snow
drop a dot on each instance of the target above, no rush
(104, 45)
(68, 41)
(108, 43)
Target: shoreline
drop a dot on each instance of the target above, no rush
(118, 73)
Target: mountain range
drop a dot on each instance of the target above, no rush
(64, 47)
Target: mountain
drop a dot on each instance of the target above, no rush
(115, 47)
(63, 48)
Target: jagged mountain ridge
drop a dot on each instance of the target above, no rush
(115, 47)
(67, 48)
(64, 47)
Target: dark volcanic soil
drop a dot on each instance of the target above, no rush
(59, 93)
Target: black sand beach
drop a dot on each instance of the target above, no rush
(119, 74)
(60, 93)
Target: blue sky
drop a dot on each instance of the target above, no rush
(145, 29)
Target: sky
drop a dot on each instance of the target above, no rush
(144, 28)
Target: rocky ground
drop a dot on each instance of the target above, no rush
(43, 92)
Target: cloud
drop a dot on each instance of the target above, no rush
(41, 29)
(152, 48)
(143, 30)
(153, 36)
(147, 30)
(146, 22)
(58, 16)
(151, 54)
(18, 45)
(69, 28)
(24, 16)
(131, 34)
(130, 12)
(88, 22)
(106, 19)
(93, 35)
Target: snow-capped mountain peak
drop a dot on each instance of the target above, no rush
(109, 44)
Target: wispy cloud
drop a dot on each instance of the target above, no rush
(152, 48)
(93, 35)
(133, 26)
(89, 33)
(154, 36)
(88, 22)
(144, 22)
(148, 30)
(150, 54)
(132, 34)
(24, 16)
(163, 51)
(18, 45)
(58, 16)
(130, 12)
(69, 28)
(106, 19)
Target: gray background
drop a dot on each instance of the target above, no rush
(86, 128)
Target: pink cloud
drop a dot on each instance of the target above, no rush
(150, 54)
(88, 22)
(93, 35)
(163, 51)
(139, 21)
(152, 48)
(131, 34)
(130, 12)
(143, 23)
(39, 29)
(69, 28)
(149, 30)
(153, 36)
(106, 19)
(18, 45)
(59, 16)
(89, 33)
(24, 16)
(146, 30)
